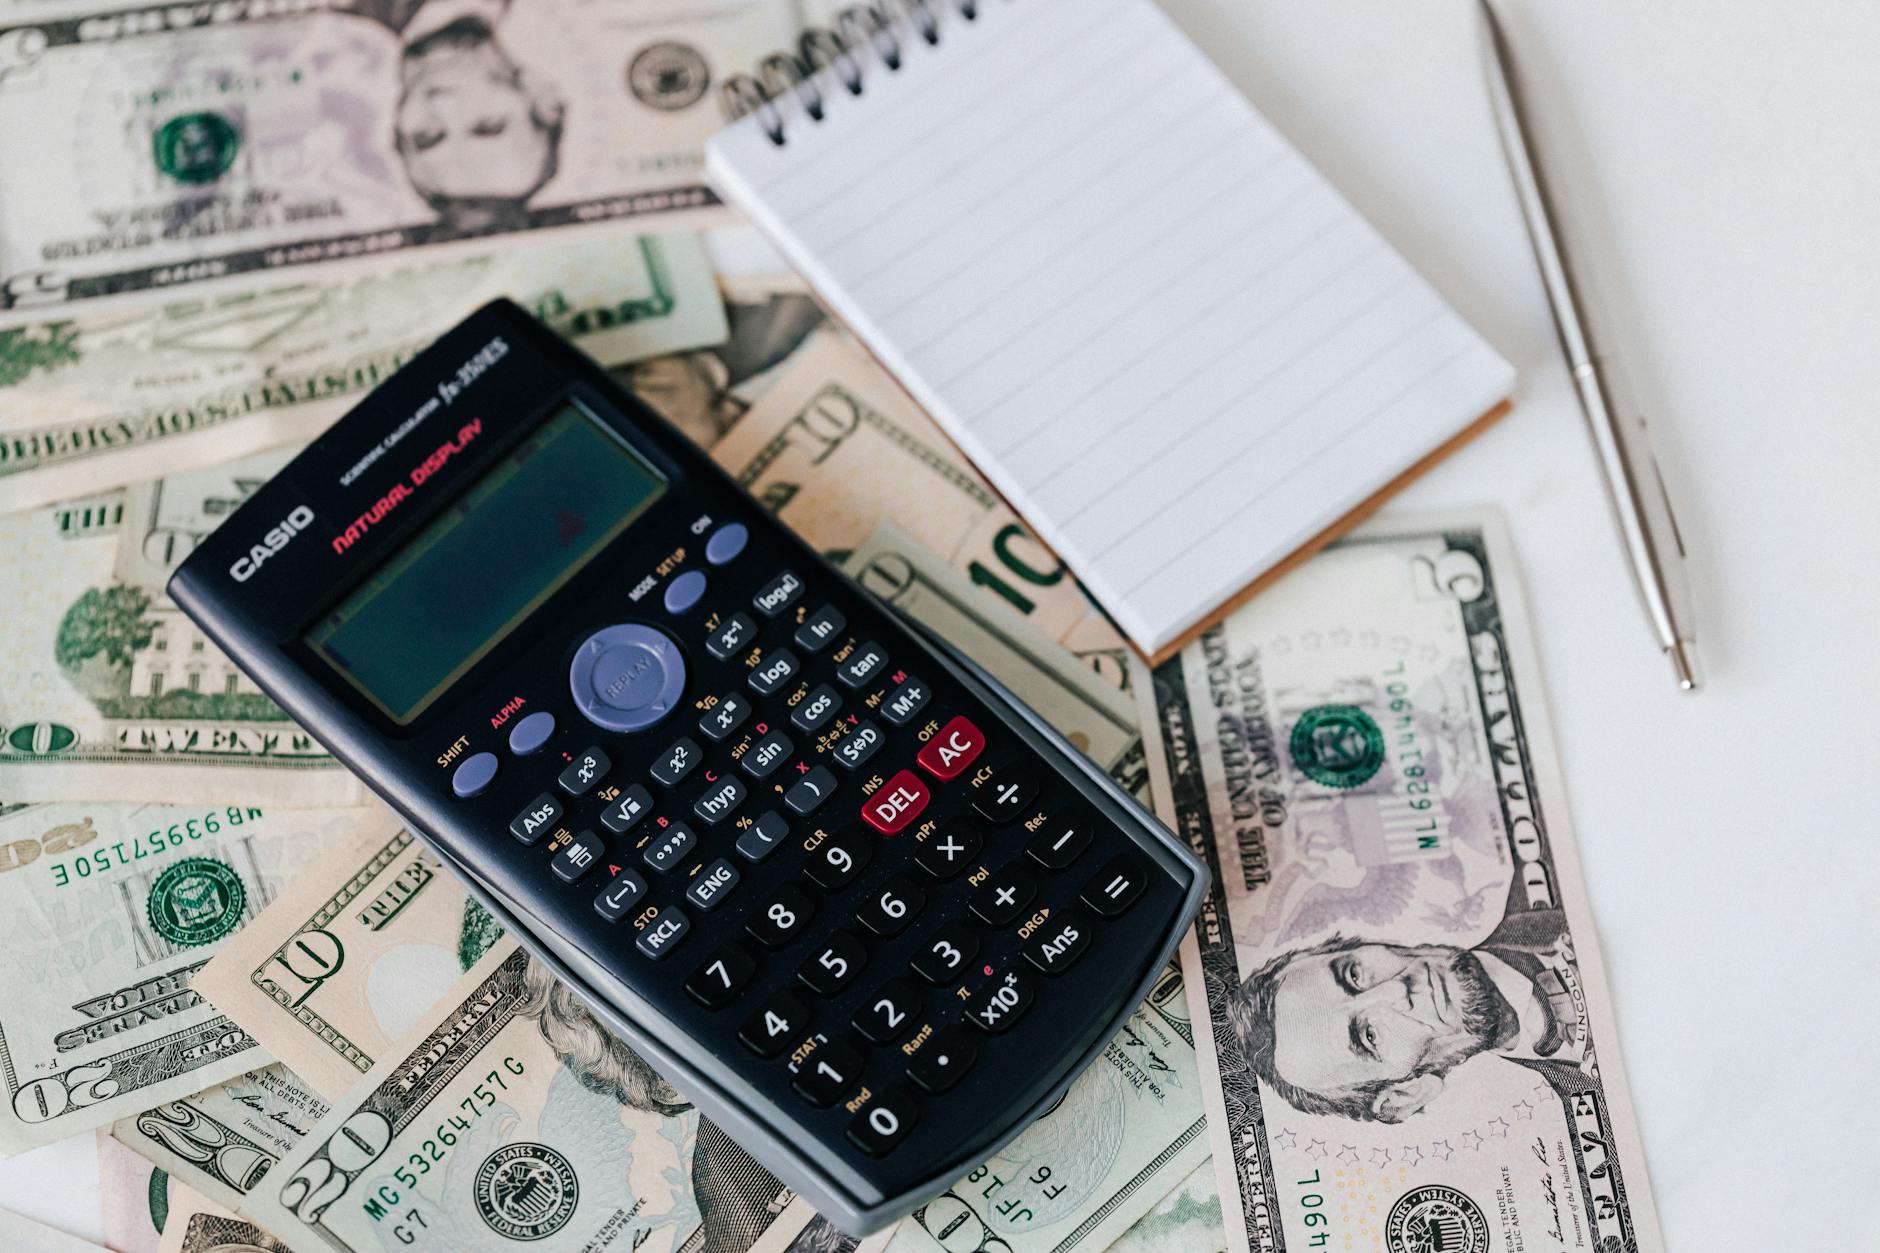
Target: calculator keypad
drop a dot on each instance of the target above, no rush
(914, 900)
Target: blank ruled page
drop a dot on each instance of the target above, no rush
(1167, 341)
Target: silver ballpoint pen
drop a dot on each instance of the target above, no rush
(1646, 523)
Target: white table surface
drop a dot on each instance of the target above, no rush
(1720, 162)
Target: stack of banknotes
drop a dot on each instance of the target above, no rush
(222, 225)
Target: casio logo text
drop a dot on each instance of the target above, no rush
(274, 541)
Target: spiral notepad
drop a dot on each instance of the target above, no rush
(1158, 331)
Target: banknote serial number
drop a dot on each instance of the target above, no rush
(1016, 1209)
(436, 1147)
(1313, 1203)
(156, 843)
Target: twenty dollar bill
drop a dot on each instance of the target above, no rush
(105, 913)
(1397, 990)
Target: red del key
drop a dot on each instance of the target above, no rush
(896, 803)
(951, 751)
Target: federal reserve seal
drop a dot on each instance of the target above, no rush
(196, 901)
(196, 148)
(1436, 1219)
(669, 76)
(1337, 745)
(526, 1191)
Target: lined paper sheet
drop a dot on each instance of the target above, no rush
(1157, 330)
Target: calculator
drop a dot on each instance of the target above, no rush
(850, 896)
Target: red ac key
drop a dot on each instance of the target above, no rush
(949, 753)
(896, 803)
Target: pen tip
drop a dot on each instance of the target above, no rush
(1683, 656)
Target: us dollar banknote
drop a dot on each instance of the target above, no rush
(836, 447)
(121, 395)
(1101, 721)
(355, 951)
(1128, 1131)
(706, 391)
(222, 1141)
(133, 1198)
(1187, 1220)
(1399, 995)
(183, 149)
(510, 1118)
(109, 910)
(198, 1224)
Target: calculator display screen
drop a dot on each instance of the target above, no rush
(508, 541)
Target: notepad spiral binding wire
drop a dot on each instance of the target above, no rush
(860, 33)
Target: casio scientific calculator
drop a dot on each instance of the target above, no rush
(844, 891)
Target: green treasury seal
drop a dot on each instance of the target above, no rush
(1337, 745)
(196, 901)
(196, 147)
(1436, 1219)
(526, 1191)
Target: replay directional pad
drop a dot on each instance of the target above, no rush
(627, 677)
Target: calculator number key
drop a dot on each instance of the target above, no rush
(835, 965)
(889, 1013)
(836, 860)
(782, 1020)
(893, 906)
(681, 758)
(774, 671)
(583, 772)
(827, 1073)
(725, 974)
(883, 1124)
(781, 918)
(945, 953)
(814, 711)
(861, 666)
(733, 636)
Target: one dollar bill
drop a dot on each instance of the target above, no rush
(109, 909)
(185, 149)
(134, 393)
(509, 1117)
(1397, 989)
